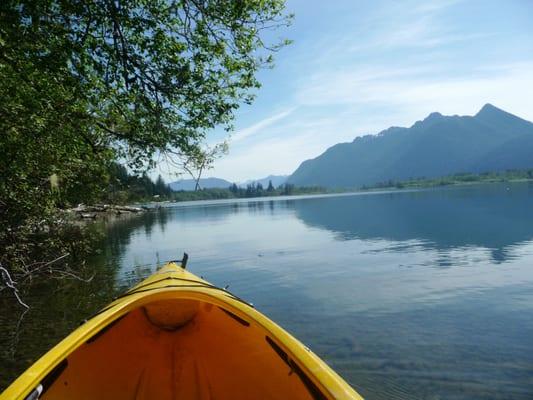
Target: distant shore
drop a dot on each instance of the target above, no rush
(391, 185)
(457, 179)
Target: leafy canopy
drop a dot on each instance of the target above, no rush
(84, 83)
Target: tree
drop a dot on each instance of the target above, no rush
(199, 161)
(161, 188)
(234, 188)
(126, 187)
(250, 190)
(270, 187)
(287, 189)
(86, 83)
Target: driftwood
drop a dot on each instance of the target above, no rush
(129, 209)
(91, 212)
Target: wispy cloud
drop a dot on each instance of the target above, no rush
(434, 6)
(260, 126)
(508, 85)
(402, 60)
(408, 24)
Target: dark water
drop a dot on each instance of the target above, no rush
(414, 295)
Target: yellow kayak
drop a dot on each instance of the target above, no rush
(176, 336)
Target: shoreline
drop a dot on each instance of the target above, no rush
(263, 199)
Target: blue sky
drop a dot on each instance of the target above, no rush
(358, 67)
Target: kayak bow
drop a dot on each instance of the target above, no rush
(176, 336)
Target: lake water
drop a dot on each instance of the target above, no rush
(408, 295)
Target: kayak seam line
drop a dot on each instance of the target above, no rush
(164, 279)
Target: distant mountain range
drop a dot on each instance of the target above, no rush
(205, 183)
(275, 179)
(218, 183)
(491, 140)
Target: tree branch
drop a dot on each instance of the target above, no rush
(11, 285)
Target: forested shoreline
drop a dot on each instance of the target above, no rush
(514, 175)
(251, 191)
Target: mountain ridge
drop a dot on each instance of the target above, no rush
(436, 146)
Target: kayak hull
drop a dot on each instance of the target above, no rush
(175, 336)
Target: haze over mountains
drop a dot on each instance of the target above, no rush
(491, 140)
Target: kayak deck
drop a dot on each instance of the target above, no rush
(175, 336)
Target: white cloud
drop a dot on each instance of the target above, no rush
(507, 86)
(408, 24)
(260, 126)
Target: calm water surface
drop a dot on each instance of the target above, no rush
(413, 295)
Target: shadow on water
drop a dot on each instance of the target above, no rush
(496, 217)
(58, 306)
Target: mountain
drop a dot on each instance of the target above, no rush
(276, 181)
(205, 183)
(491, 140)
